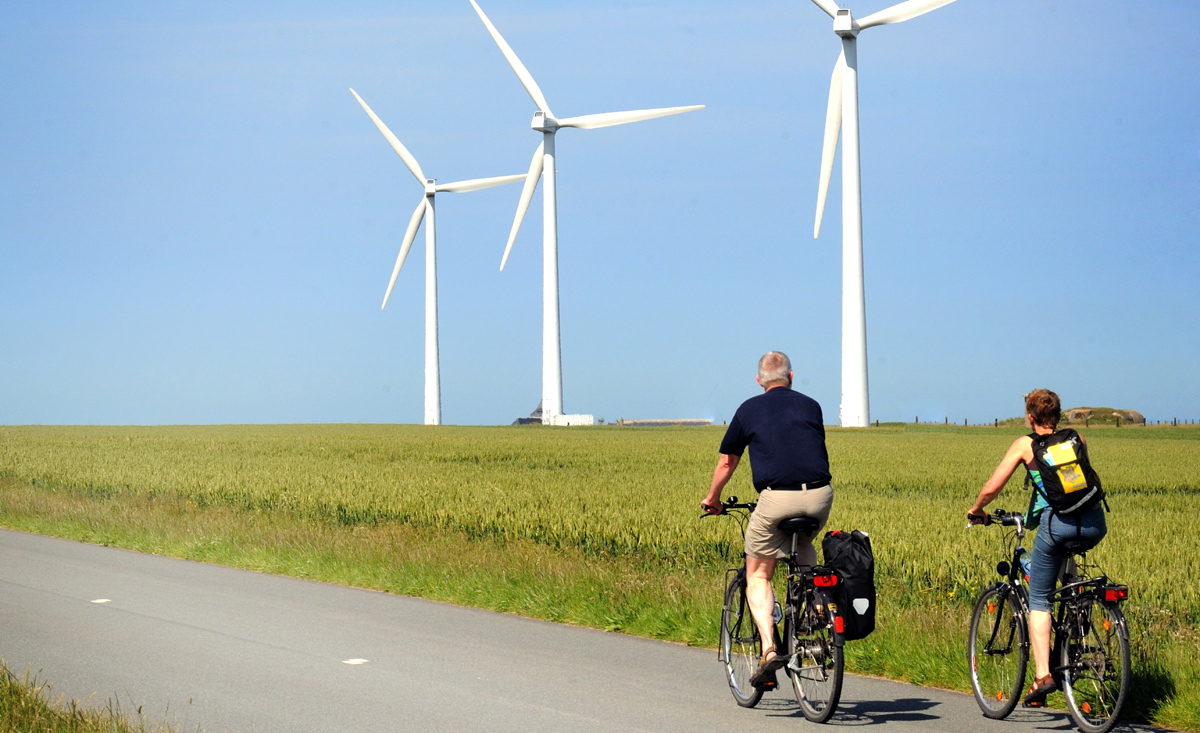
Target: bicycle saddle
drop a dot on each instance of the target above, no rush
(799, 525)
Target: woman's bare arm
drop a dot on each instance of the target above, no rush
(1019, 452)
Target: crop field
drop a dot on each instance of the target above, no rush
(631, 495)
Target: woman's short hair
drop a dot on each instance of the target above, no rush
(774, 366)
(1043, 408)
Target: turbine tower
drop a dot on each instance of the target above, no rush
(433, 380)
(842, 114)
(542, 165)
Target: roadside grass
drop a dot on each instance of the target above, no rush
(599, 527)
(28, 706)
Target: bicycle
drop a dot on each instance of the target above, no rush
(811, 627)
(1090, 638)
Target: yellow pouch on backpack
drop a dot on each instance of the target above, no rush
(1062, 457)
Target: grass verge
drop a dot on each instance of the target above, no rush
(28, 706)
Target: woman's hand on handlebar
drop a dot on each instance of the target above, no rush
(978, 516)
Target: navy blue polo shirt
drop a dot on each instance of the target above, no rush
(786, 436)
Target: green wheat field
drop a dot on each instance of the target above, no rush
(600, 526)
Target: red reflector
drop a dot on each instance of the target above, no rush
(839, 625)
(1115, 594)
(825, 581)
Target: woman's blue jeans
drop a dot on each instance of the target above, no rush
(1049, 549)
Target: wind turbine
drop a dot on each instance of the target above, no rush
(843, 114)
(433, 381)
(542, 165)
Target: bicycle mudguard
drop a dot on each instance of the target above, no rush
(739, 572)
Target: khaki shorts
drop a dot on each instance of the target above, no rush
(763, 537)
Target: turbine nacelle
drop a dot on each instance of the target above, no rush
(430, 186)
(544, 122)
(844, 24)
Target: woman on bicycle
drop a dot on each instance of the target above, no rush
(1083, 529)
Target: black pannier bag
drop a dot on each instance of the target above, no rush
(850, 555)
(1067, 479)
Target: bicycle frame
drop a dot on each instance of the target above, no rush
(800, 589)
(1073, 609)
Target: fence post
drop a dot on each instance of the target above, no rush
(1118, 421)
(996, 423)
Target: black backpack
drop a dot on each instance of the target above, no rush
(849, 554)
(1068, 482)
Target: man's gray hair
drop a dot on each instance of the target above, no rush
(774, 366)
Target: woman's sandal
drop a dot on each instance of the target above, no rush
(1036, 697)
(764, 676)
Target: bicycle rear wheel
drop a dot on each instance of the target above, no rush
(741, 647)
(817, 664)
(1096, 667)
(998, 650)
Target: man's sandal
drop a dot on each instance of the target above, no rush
(764, 677)
(1036, 697)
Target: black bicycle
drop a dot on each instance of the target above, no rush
(812, 629)
(1091, 639)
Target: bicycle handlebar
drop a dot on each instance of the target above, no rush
(1004, 518)
(730, 503)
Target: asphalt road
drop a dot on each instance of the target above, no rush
(223, 649)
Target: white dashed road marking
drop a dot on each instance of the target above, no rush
(102, 600)
(356, 661)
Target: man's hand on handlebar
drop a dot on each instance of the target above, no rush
(975, 516)
(710, 509)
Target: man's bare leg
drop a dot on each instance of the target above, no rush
(761, 597)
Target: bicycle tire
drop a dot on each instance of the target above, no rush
(817, 664)
(1096, 664)
(998, 651)
(741, 647)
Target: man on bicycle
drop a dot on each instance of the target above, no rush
(785, 433)
(1058, 532)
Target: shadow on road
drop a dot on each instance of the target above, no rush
(878, 712)
(913, 709)
(861, 712)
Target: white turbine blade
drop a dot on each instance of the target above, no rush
(522, 73)
(608, 119)
(476, 184)
(829, 6)
(901, 12)
(402, 151)
(833, 127)
(531, 181)
(413, 224)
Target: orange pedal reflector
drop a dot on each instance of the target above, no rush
(1087, 708)
(991, 607)
(1107, 625)
(999, 694)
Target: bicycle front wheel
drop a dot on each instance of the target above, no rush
(816, 664)
(1095, 663)
(741, 647)
(998, 650)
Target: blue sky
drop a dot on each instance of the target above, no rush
(197, 221)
